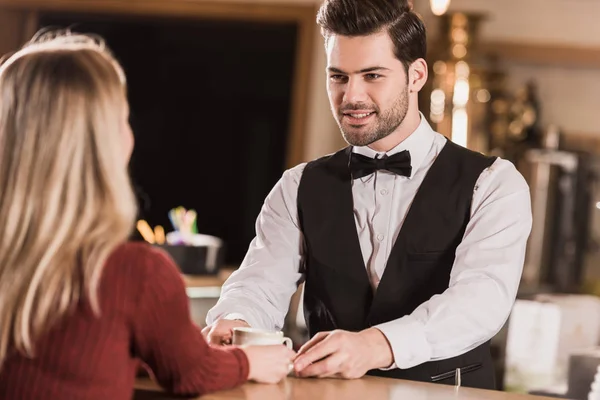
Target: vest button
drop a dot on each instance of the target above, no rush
(380, 237)
(384, 192)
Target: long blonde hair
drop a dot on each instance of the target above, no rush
(66, 201)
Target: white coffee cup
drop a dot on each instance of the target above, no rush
(258, 337)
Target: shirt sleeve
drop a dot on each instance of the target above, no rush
(259, 292)
(483, 281)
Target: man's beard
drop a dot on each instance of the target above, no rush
(385, 123)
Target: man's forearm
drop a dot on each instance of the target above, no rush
(247, 311)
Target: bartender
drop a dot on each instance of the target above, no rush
(410, 246)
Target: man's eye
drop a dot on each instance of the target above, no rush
(337, 78)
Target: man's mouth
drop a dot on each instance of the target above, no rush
(358, 116)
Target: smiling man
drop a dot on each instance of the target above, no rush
(411, 247)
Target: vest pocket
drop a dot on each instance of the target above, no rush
(452, 373)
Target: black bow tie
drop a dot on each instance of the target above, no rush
(398, 163)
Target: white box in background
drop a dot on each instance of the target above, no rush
(542, 333)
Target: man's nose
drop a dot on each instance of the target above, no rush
(355, 91)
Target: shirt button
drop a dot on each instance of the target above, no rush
(380, 237)
(383, 192)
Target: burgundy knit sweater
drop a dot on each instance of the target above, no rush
(144, 315)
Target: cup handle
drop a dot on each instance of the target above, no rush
(288, 342)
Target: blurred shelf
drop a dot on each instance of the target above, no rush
(206, 286)
(202, 281)
(562, 55)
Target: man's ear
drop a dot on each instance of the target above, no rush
(417, 75)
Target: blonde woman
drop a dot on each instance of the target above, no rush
(79, 305)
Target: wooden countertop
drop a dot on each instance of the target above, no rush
(364, 388)
(203, 281)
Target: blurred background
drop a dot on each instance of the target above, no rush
(225, 95)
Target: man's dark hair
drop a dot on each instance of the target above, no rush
(365, 17)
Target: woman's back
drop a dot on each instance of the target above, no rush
(144, 313)
(77, 306)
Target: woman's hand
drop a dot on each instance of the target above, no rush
(269, 364)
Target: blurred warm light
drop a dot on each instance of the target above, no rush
(459, 35)
(438, 102)
(460, 123)
(440, 67)
(461, 92)
(459, 50)
(462, 70)
(438, 7)
(483, 96)
(598, 205)
(438, 97)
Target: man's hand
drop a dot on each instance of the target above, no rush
(343, 354)
(221, 332)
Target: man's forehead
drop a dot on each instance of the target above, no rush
(355, 53)
(375, 44)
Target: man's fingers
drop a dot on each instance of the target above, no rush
(219, 337)
(312, 342)
(205, 331)
(333, 375)
(329, 366)
(213, 339)
(320, 350)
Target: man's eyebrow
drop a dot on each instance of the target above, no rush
(362, 71)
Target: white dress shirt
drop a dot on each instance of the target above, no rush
(483, 281)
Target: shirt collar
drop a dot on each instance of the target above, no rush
(417, 143)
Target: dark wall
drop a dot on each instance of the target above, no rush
(210, 104)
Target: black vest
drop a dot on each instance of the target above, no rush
(338, 294)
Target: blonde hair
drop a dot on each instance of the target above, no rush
(66, 201)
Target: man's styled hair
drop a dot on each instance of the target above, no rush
(366, 17)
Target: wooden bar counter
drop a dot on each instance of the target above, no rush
(201, 281)
(367, 388)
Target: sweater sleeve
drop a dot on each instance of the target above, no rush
(167, 340)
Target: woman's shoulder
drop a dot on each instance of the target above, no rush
(137, 250)
(140, 259)
(138, 274)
